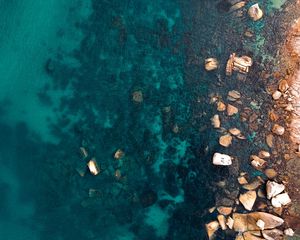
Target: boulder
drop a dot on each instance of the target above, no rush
(264, 154)
(247, 222)
(233, 95)
(230, 222)
(281, 200)
(211, 228)
(221, 107)
(272, 234)
(211, 64)
(278, 130)
(225, 140)
(231, 110)
(276, 95)
(248, 199)
(224, 210)
(234, 131)
(215, 121)
(257, 163)
(242, 180)
(255, 12)
(273, 189)
(283, 86)
(222, 159)
(222, 221)
(93, 166)
(289, 232)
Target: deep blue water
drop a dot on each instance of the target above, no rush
(68, 72)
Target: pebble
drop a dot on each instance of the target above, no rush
(255, 12)
(283, 86)
(221, 159)
(233, 95)
(231, 110)
(276, 95)
(270, 140)
(289, 232)
(270, 173)
(226, 140)
(242, 180)
(257, 163)
(215, 120)
(137, 96)
(93, 166)
(264, 154)
(278, 130)
(234, 131)
(221, 106)
(211, 64)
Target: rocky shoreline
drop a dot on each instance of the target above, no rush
(267, 206)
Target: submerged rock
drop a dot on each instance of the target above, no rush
(247, 222)
(281, 200)
(273, 189)
(211, 228)
(226, 140)
(248, 199)
(119, 154)
(215, 121)
(93, 166)
(137, 96)
(255, 12)
(231, 110)
(222, 159)
(211, 64)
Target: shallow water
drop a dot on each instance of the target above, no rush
(69, 69)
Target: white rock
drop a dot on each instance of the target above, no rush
(281, 200)
(261, 224)
(289, 232)
(215, 121)
(276, 95)
(248, 199)
(274, 188)
(221, 159)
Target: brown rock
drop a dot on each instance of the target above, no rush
(234, 131)
(264, 154)
(283, 86)
(257, 163)
(278, 130)
(253, 185)
(272, 234)
(237, 6)
(215, 121)
(270, 140)
(233, 95)
(255, 12)
(211, 64)
(119, 154)
(222, 221)
(242, 180)
(93, 166)
(273, 116)
(231, 110)
(211, 228)
(221, 106)
(270, 173)
(276, 95)
(247, 222)
(248, 199)
(250, 236)
(226, 140)
(249, 34)
(225, 210)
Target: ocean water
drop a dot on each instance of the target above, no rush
(68, 70)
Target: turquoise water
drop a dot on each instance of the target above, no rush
(68, 71)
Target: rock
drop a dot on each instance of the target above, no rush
(221, 106)
(253, 185)
(250, 236)
(222, 221)
(211, 228)
(264, 154)
(278, 130)
(83, 152)
(270, 173)
(226, 140)
(255, 12)
(234, 131)
(273, 189)
(270, 140)
(257, 163)
(276, 95)
(212, 209)
(225, 210)
(237, 6)
(233, 95)
(231, 110)
(283, 86)
(221, 159)
(119, 154)
(278, 210)
(230, 222)
(242, 180)
(260, 193)
(215, 121)
(93, 166)
(247, 222)
(239, 237)
(248, 199)
(137, 96)
(249, 34)
(281, 200)
(229, 65)
(211, 64)
(273, 234)
(289, 232)
(261, 224)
